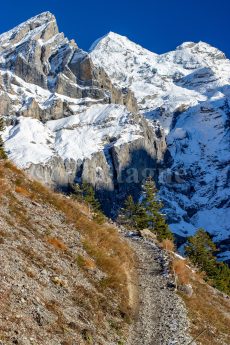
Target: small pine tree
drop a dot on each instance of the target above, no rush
(146, 213)
(90, 198)
(77, 192)
(2, 151)
(153, 206)
(127, 213)
(85, 192)
(130, 207)
(200, 250)
(222, 277)
(162, 229)
(133, 215)
(141, 217)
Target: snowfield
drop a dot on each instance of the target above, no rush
(74, 137)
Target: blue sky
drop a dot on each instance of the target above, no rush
(159, 25)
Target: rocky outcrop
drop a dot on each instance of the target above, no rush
(43, 66)
(118, 95)
(53, 173)
(36, 63)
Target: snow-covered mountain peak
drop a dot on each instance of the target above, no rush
(194, 55)
(126, 63)
(198, 46)
(157, 80)
(35, 55)
(114, 42)
(30, 29)
(40, 19)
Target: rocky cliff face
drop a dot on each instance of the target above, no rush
(73, 115)
(43, 74)
(103, 145)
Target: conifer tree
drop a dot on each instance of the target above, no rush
(161, 228)
(141, 217)
(86, 193)
(89, 197)
(128, 212)
(2, 151)
(221, 280)
(201, 251)
(77, 191)
(146, 213)
(153, 206)
(130, 207)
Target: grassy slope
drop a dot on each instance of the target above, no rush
(208, 308)
(64, 277)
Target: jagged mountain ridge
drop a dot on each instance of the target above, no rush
(185, 91)
(36, 65)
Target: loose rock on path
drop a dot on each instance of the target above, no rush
(162, 317)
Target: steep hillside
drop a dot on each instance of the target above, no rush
(208, 310)
(64, 278)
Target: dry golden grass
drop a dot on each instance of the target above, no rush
(180, 269)
(55, 242)
(208, 310)
(9, 165)
(168, 245)
(18, 212)
(85, 263)
(111, 254)
(22, 191)
(4, 188)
